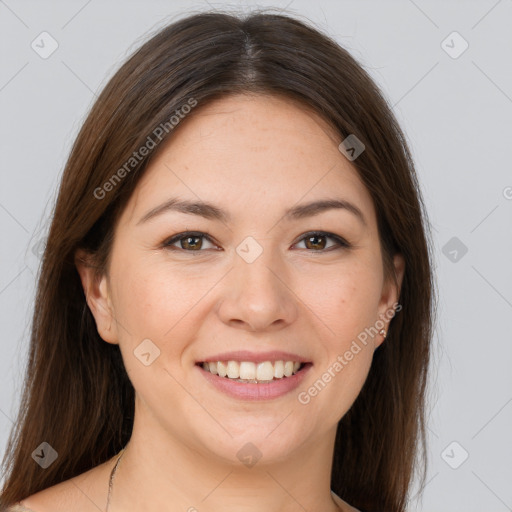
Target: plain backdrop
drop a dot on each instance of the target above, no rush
(445, 68)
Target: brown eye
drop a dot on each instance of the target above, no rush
(190, 242)
(317, 241)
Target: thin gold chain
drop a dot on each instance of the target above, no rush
(111, 479)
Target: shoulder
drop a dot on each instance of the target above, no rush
(59, 498)
(86, 492)
(343, 505)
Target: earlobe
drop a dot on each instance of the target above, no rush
(97, 296)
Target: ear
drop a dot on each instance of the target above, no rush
(97, 295)
(390, 294)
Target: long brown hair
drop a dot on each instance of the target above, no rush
(77, 395)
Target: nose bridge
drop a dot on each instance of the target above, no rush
(260, 274)
(257, 267)
(258, 294)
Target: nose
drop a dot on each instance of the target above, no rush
(257, 296)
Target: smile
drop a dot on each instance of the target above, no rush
(251, 372)
(248, 380)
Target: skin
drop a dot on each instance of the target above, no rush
(255, 157)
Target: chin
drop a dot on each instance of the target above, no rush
(260, 443)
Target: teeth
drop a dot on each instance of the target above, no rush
(265, 371)
(233, 370)
(221, 369)
(279, 369)
(247, 371)
(288, 368)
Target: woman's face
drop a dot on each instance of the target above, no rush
(252, 277)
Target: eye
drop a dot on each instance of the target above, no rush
(193, 241)
(190, 241)
(317, 241)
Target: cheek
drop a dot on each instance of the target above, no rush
(156, 303)
(155, 300)
(145, 303)
(347, 304)
(346, 301)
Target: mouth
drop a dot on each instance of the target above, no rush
(252, 380)
(251, 372)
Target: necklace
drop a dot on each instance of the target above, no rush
(111, 479)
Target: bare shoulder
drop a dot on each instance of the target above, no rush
(19, 508)
(84, 493)
(343, 505)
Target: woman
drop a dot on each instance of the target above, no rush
(235, 305)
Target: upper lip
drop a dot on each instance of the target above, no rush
(256, 357)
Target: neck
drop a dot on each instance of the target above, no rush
(161, 472)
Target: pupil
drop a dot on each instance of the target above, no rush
(316, 237)
(187, 242)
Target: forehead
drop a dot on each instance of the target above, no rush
(249, 152)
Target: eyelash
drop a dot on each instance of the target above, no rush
(168, 244)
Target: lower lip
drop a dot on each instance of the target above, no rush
(263, 391)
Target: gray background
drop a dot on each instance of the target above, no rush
(457, 114)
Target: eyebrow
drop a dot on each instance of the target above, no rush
(210, 211)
